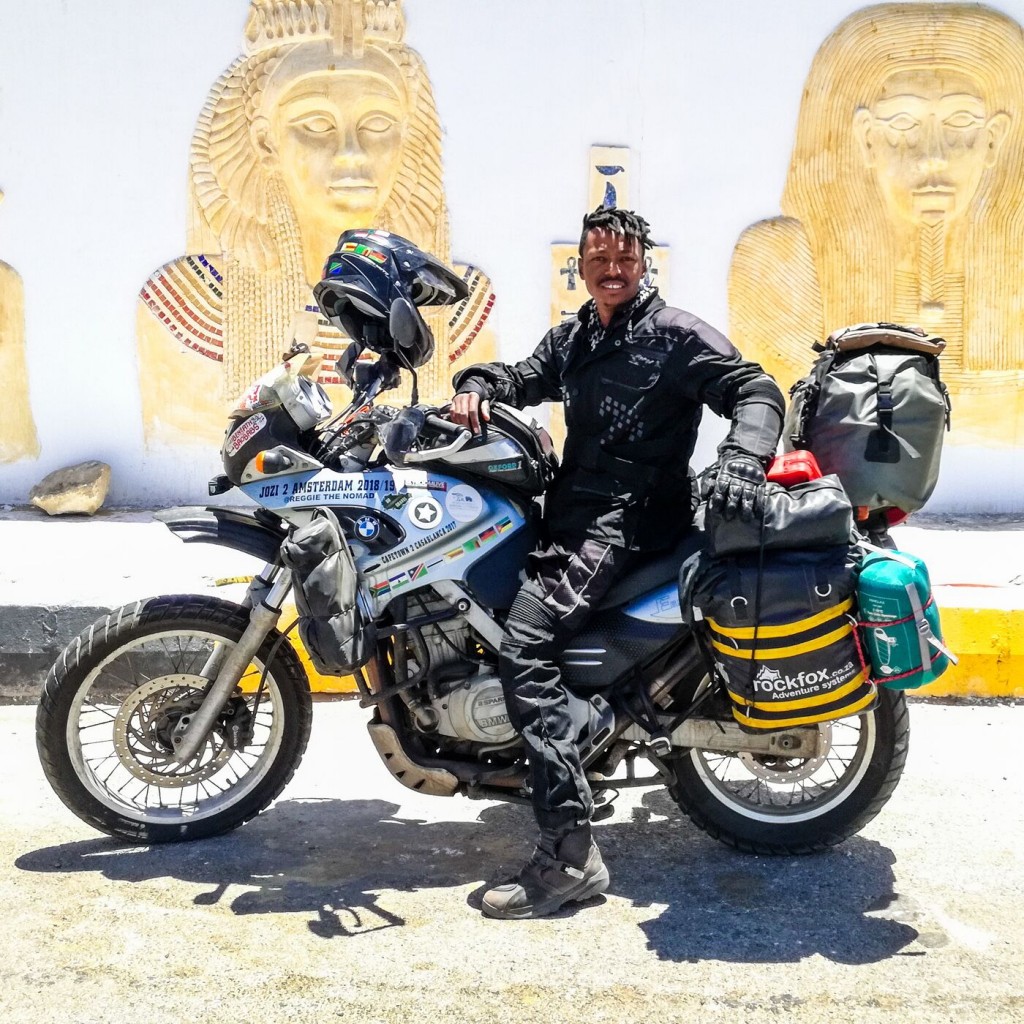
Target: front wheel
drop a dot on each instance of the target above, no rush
(777, 805)
(118, 693)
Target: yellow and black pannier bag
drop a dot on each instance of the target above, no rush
(778, 632)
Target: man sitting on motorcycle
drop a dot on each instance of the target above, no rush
(634, 375)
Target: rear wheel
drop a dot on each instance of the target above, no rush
(119, 692)
(776, 805)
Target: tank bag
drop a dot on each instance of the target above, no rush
(778, 630)
(873, 411)
(899, 621)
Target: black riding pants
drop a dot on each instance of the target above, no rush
(565, 585)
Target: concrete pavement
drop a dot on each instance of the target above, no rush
(58, 575)
(357, 900)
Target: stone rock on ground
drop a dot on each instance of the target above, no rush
(75, 489)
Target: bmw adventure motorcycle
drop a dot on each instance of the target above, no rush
(181, 717)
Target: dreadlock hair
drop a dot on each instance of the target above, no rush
(621, 222)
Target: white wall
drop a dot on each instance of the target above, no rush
(98, 101)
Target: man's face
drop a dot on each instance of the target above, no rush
(612, 266)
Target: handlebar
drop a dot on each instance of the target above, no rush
(399, 432)
(443, 426)
(460, 435)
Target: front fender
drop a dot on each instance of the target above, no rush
(253, 531)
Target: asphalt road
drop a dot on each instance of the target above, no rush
(353, 899)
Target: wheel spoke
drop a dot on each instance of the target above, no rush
(785, 786)
(126, 711)
(102, 711)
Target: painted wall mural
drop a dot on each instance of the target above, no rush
(326, 122)
(903, 202)
(17, 427)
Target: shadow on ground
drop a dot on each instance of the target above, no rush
(336, 860)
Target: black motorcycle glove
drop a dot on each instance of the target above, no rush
(736, 487)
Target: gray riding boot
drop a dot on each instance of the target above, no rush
(559, 872)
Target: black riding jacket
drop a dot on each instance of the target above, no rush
(632, 409)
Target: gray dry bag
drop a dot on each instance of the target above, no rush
(335, 628)
(873, 411)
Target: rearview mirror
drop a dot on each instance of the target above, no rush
(347, 362)
(403, 323)
(382, 370)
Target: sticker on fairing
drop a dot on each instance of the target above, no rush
(464, 503)
(243, 433)
(425, 513)
(367, 527)
(416, 479)
(396, 502)
(255, 399)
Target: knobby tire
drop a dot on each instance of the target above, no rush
(100, 642)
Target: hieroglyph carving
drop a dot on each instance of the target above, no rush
(609, 176)
(327, 122)
(902, 203)
(17, 428)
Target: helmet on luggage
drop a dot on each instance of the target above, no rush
(373, 284)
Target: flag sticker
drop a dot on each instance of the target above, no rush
(358, 249)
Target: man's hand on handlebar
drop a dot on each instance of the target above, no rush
(468, 410)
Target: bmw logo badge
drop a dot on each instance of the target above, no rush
(367, 527)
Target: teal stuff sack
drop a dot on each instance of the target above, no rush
(899, 621)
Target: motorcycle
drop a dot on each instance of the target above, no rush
(180, 717)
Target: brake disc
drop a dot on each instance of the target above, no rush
(144, 726)
(779, 769)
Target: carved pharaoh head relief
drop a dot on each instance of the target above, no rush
(326, 122)
(902, 203)
(331, 117)
(929, 136)
(907, 178)
(336, 138)
(329, 113)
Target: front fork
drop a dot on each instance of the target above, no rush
(226, 665)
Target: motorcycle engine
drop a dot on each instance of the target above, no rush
(475, 710)
(466, 699)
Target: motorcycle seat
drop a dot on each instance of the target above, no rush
(652, 572)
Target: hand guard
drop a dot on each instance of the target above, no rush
(736, 487)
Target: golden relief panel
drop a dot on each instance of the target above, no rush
(17, 428)
(902, 204)
(327, 122)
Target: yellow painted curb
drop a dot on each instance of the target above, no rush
(990, 645)
(317, 682)
(988, 641)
